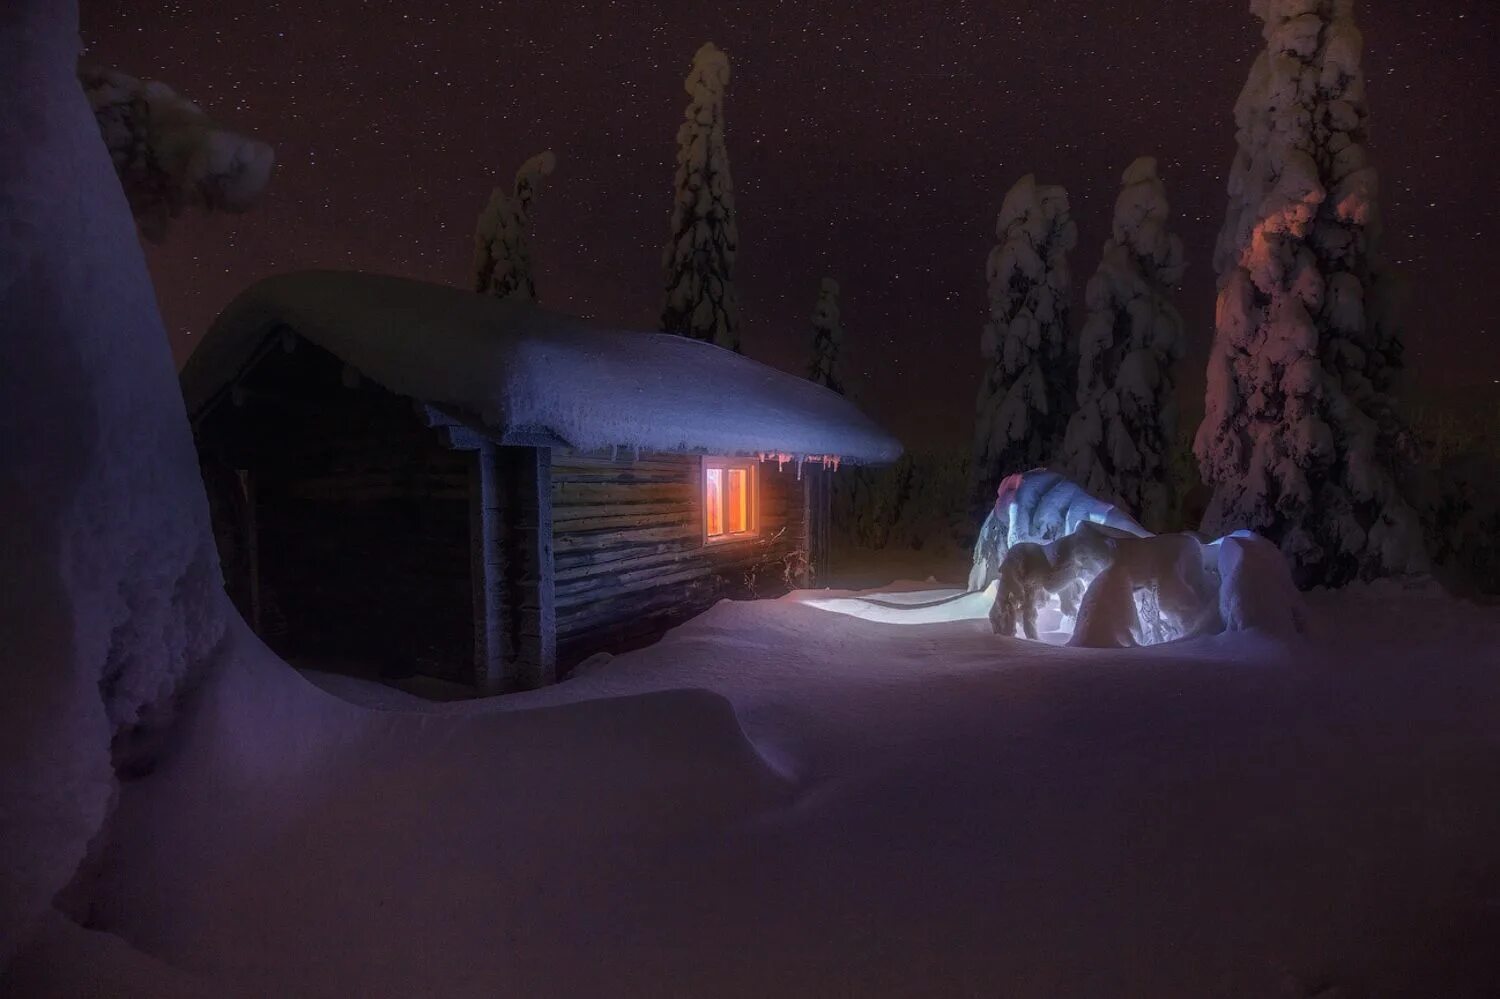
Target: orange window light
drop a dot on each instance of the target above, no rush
(713, 501)
(737, 501)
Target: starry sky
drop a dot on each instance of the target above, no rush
(872, 140)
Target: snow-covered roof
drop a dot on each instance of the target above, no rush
(527, 373)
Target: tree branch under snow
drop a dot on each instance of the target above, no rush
(169, 154)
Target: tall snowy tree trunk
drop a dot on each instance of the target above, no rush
(1300, 433)
(110, 602)
(1119, 442)
(698, 262)
(1027, 390)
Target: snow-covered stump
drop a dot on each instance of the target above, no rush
(111, 605)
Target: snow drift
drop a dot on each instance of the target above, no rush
(110, 604)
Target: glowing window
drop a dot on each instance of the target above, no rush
(729, 499)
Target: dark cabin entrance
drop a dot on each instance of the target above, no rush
(344, 521)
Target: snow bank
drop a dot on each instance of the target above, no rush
(110, 602)
(526, 371)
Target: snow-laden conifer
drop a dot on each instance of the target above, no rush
(698, 262)
(1119, 441)
(828, 337)
(502, 251)
(1299, 440)
(1026, 393)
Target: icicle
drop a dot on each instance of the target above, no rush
(637, 453)
(799, 468)
(614, 452)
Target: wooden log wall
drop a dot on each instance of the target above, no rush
(361, 520)
(630, 560)
(514, 608)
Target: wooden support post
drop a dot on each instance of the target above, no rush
(515, 607)
(486, 570)
(816, 497)
(252, 545)
(527, 481)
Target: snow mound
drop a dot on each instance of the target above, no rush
(283, 777)
(111, 604)
(530, 373)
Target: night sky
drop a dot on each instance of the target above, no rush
(869, 140)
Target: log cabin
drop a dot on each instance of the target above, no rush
(425, 480)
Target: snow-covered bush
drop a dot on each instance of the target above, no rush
(1300, 434)
(1459, 473)
(698, 262)
(1038, 505)
(1027, 390)
(828, 337)
(1119, 441)
(112, 605)
(169, 154)
(1117, 589)
(502, 252)
(916, 503)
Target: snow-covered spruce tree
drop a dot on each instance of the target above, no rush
(1119, 441)
(169, 154)
(502, 251)
(828, 337)
(698, 262)
(1300, 434)
(1027, 390)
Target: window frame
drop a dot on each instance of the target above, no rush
(751, 467)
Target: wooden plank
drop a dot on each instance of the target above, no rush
(572, 541)
(600, 493)
(530, 614)
(252, 546)
(487, 568)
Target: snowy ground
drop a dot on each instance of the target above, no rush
(841, 807)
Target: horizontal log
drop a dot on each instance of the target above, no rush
(596, 540)
(628, 572)
(624, 477)
(594, 493)
(606, 521)
(563, 514)
(580, 605)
